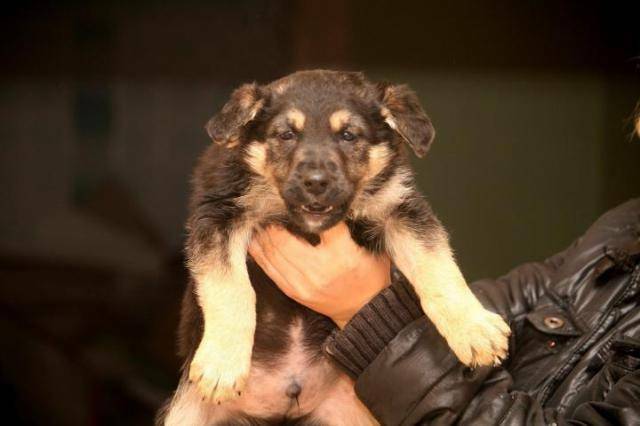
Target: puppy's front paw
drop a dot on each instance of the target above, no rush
(220, 371)
(480, 338)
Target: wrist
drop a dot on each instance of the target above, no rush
(367, 333)
(357, 303)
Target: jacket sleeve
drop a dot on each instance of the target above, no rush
(405, 373)
(403, 369)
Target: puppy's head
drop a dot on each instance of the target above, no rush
(320, 137)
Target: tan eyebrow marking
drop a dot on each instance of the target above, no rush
(338, 119)
(296, 118)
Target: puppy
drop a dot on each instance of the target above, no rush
(307, 151)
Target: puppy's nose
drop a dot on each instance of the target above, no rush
(315, 181)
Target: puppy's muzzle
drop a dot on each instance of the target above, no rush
(315, 181)
(317, 192)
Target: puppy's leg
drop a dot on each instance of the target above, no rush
(220, 365)
(419, 247)
(186, 408)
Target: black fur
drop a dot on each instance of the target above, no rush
(222, 176)
(366, 234)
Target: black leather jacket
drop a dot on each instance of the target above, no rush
(574, 354)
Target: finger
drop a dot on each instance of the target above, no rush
(258, 254)
(255, 250)
(291, 278)
(307, 266)
(280, 237)
(269, 250)
(288, 243)
(318, 265)
(276, 242)
(309, 262)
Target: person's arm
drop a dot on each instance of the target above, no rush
(405, 374)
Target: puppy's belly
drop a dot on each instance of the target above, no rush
(292, 386)
(299, 384)
(289, 379)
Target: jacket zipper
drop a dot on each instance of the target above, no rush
(588, 341)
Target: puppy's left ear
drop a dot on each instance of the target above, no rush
(401, 110)
(243, 106)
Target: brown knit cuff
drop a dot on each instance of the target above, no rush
(374, 326)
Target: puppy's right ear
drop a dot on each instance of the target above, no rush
(245, 103)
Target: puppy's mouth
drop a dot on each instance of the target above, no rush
(316, 209)
(315, 217)
(314, 214)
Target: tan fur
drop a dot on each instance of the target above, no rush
(339, 119)
(227, 297)
(228, 305)
(379, 156)
(379, 205)
(391, 121)
(233, 142)
(476, 335)
(256, 157)
(255, 109)
(388, 118)
(296, 118)
(187, 407)
(262, 200)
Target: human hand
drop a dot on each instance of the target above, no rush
(336, 278)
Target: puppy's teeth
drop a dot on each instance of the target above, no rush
(323, 211)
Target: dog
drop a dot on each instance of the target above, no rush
(306, 152)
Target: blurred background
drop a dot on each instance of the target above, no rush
(103, 106)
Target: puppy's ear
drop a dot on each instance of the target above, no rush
(401, 110)
(245, 103)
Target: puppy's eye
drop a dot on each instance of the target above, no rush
(287, 136)
(347, 136)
